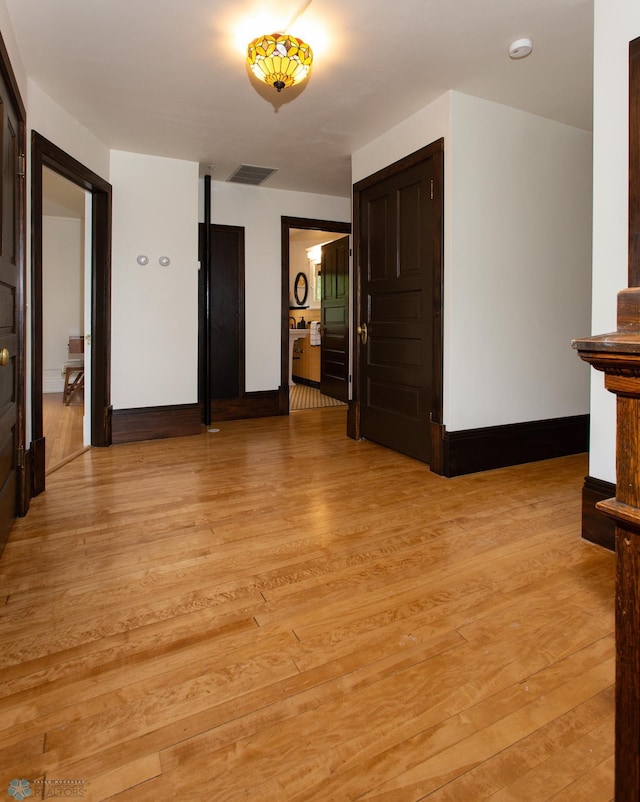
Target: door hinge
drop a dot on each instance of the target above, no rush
(20, 457)
(432, 189)
(22, 165)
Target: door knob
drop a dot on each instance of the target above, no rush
(4, 357)
(362, 331)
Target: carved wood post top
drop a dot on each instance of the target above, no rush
(618, 353)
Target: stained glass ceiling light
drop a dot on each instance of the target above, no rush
(280, 60)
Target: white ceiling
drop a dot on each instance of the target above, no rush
(167, 77)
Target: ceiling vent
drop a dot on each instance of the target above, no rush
(248, 174)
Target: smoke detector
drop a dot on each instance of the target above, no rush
(520, 48)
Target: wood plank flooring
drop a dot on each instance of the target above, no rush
(276, 612)
(62, 427)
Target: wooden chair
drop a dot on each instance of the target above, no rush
(73, 369)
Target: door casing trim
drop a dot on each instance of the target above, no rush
(286, 224)
(45, 154)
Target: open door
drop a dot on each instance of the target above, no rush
(334, 357)
(399, 340)
(13, 493)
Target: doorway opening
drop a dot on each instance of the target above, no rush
(66, 316)
(305, 378)
(96, 298)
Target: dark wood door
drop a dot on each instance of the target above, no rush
(9, 313)
(221, 317)
(397, 222)
(334, 356)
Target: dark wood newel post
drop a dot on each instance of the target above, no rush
(618, 356)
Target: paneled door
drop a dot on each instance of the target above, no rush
(11, 321)
(221, 314)
(398, 266)
(334, 355)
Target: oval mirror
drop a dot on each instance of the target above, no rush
(300, 289)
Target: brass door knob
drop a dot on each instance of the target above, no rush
(4, 357)
(362, 331)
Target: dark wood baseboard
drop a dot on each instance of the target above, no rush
(258, 404)
(26, 484)
(353, 420)
(154, 423)
(437, 435)
(492, 447)
(306, 382)
(37, 466)
(596, 526)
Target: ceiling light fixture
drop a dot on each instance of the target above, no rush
(279, 59)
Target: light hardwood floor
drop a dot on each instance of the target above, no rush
(276, 612)
(62, 427)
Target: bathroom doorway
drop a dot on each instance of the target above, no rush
(305, 331)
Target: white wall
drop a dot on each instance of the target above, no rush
(516, 256)
(50, 120)
(617, 22)
(62, 293)
(518, 287)
(422, 128)
(299, 263)
(258, 210)
(154, 346)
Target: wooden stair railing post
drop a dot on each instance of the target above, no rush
(618, 355)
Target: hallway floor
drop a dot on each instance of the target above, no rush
(213, 617)
(62, 427)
